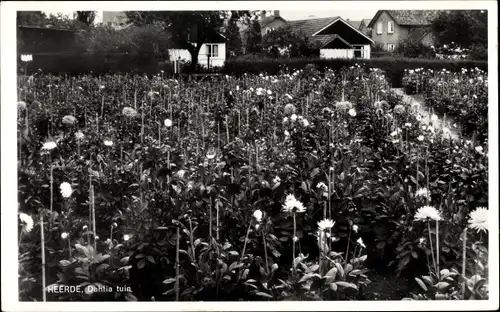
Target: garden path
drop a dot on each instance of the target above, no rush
(419, 108)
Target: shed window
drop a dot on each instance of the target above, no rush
(358, 51)
(212, 50)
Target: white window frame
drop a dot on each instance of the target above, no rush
(210, 51)
(361, 49)
(390, 27)
(391, 47)
(380, 28)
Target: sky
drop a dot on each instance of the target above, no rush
(345, 14)
(354, 15)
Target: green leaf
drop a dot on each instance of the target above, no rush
(314, 173)
(442, 285)
(233, 253)
(312, 268)
(479, 284)
(427, 280)
(306, 277)
(151, 259)
(421, 284)
(263, 294)
(340, 269)
(333, 286)
(169, 280)
(346, 285)
(348, 268)
(141, 264)
(332, 273)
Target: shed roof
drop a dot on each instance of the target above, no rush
(308, 27)
(355, 24)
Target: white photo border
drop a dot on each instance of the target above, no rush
(9, 261)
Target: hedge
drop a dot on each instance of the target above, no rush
(394, 67)
(84, 63)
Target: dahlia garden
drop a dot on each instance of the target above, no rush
(307, 185)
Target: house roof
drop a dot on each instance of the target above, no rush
(418, 33)
(323, 40)
(355, 24)
(269, 19)
(366, 21)
(408, 17)
(308, 27)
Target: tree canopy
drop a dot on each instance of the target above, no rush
(466, 28)
(189, 29)
(283, 41)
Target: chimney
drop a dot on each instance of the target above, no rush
(276, 13)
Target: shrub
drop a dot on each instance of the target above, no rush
(409, 48)
(394, 67)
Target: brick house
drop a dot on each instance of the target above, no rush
(333, 36)
(267, 24)
(389, 27)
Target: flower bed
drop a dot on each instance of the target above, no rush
(462, 96)
(284, 187)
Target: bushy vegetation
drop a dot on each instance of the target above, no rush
(461, 96)
(393, 67)
(259, 187)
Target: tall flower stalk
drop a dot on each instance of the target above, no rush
(293, 206)
(44, 292)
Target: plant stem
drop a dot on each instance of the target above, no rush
(432, 248)
(265, 250)
(177, 265)
(69, 246)
(464, 262)
(44, 294)
(217, 220)
(245, 244)
(293, 239)
(210, 220)
(437, 248)
(51, 192)
(348, 242)
(93, 220)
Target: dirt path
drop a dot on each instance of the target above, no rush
(416, 103)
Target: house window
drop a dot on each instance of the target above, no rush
(390, 27)
(379, 28)
(391, 47)
(358, 51)
(212, 50)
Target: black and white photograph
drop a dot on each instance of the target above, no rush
(236, 156)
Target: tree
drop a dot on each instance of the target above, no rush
(284, 41)
(31, 18)
(254, 38)
(189, 29)
(232, 33)
(86, 17)
(465, 28)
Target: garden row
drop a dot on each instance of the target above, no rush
(140, 63)
(259, 187)
(461, 96)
